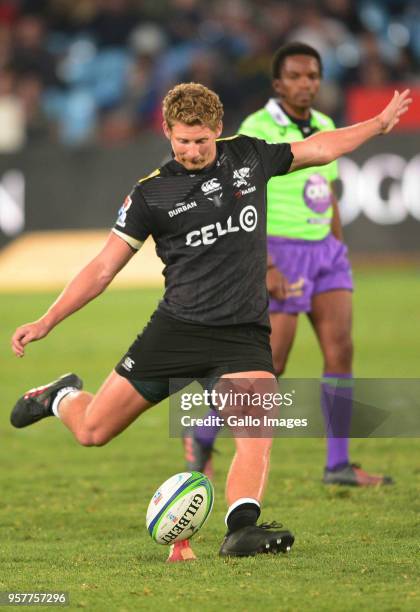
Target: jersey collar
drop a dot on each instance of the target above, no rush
(277, 113)
(279, 116)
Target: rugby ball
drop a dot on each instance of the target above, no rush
(179, 507)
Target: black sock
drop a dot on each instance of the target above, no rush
(242, 516)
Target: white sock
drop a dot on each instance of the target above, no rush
(59, 396)
(239, 502)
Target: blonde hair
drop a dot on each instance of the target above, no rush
(192, 104)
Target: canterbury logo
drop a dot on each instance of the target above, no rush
(210, 186)
(128, 364)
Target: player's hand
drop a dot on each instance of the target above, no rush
(390, 116)
(28, 333)
(277, 284)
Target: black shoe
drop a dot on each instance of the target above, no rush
(352, 475)
(255, 539)
(36, 403)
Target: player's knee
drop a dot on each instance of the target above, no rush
(254, 447)
(84, 438)
(339, 355)
(90, 436)
(279, 364)
(346, 350)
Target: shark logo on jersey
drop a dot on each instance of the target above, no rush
(212, 189)
(122, 213)
(240, 177)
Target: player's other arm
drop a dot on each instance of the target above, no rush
(277, 284)
(85, 286)
(323, 147)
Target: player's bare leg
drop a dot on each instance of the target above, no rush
(283, 331)
(93, 419)
(248, 472)
(247, 479)
(96, 419)
(331, 317)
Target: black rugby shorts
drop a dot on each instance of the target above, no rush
(169, 348)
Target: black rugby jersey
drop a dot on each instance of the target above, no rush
(209, 227)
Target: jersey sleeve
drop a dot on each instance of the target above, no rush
(133, 223)
(275, 158)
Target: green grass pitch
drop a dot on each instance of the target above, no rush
(72, 518)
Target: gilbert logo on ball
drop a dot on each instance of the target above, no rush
(179, 507)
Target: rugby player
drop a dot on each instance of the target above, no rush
(308, 268)
(213, 319)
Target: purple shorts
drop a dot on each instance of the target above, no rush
(311, 267)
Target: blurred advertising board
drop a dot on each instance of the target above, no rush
(47, 188)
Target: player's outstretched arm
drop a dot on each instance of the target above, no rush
(85, 286)
(323, 147)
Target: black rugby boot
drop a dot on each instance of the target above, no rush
(256, 539)
(36, 403)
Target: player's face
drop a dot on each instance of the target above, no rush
(298, 83)
(194, 146)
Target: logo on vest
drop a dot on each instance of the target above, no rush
(317, 193)
(241, 177)
(208, 234)
(122, 213)
(182, 207)
(128, 363)
(212, 189)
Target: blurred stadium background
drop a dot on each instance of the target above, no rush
(81, 83)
